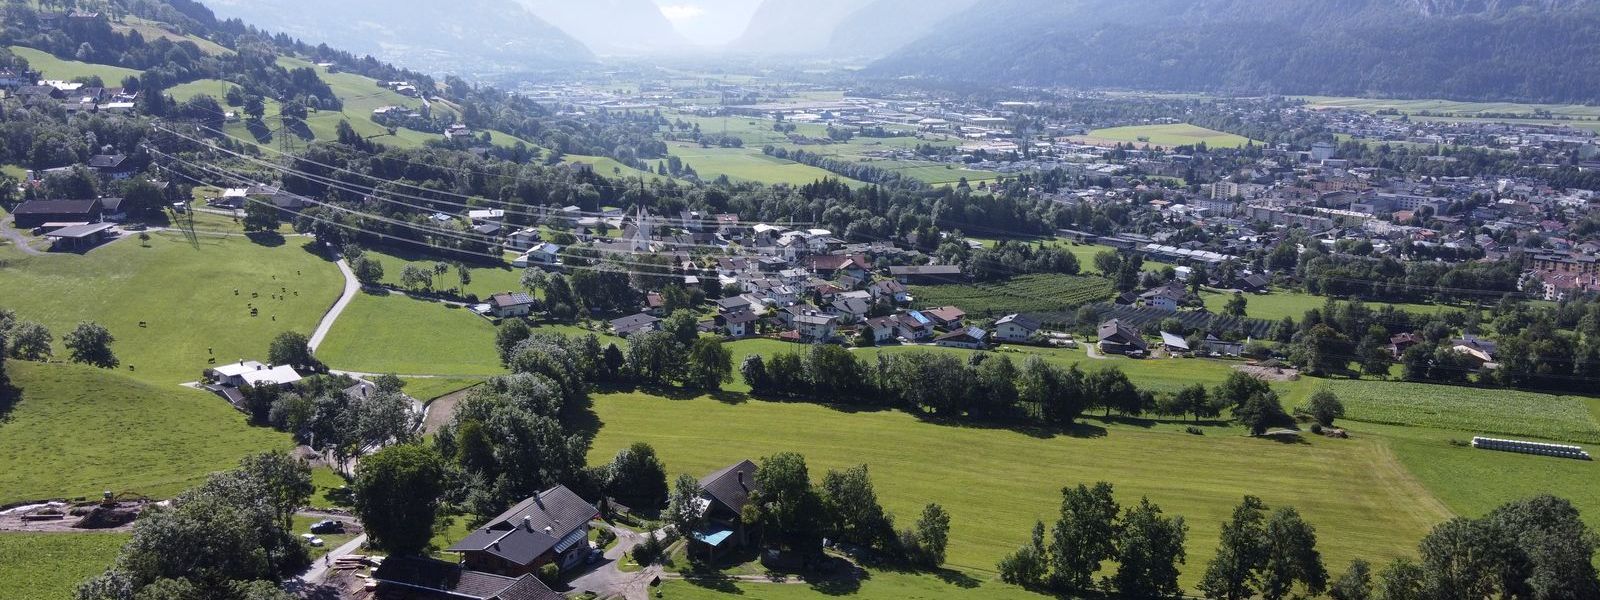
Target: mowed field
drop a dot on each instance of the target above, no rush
(48, 566)
(1464, 109)
(746, 164)
(996, 482)
(78, 431)
(397, 334)
(194, 295)
(62, 69)
(1285, 303)
(1166, 136)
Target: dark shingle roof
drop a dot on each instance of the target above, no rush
(453, 581)
(732, 486)
(56, 207)
(531, 528)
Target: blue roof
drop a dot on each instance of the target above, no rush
(916, 314)
(714, 538)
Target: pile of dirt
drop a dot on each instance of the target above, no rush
(107, 517)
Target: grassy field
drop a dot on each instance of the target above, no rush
(396, 334)
(56, 68)
(1167, 136)
(747, 164)
(486, 280)
(194, 295)
(1027, 293)
(1489, 411)
(151, 30)
(1286, 303)
(1349, 487)
(48, 566)
(429, 388)
(78, 431)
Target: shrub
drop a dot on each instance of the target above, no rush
(550, 574)
(1195, 430)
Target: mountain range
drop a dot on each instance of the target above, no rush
(462, 37)
(1528, 50)
(612, 26)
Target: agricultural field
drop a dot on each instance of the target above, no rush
(486, 280)
(749, 164)
(1487, 411)
(78, 431)
(879, 585)
(1350, 487)
(48, 566)
(1167, 136)
(193, 292)
(1282, 303)
(66, 70)
(151, 30)
(606, 166)
(1023, 294)
(396, 334)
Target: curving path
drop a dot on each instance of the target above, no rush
(351, 288)
(16, 238)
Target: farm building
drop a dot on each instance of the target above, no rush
(1118, 338)
(77, 238)
(252, 373)
(927, 274)
(38, 213)
(1174, 344)
(639, 323)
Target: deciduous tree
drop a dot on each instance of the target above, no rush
(397, 496)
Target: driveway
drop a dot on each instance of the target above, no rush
(608, 581)
(351, 288)
(16, 238)
(320, 568)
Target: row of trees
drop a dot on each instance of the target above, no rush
(676, 354)
(991, 386)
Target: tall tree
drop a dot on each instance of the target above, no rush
(397, 496)
(1232, 574)
(787, 506)
(294, 349)
(1149, 550)
(29, 341)
(637, 477)
(931, 536)
(90, 343)
(710, 365)
(1084, 536)
(1292, 557)
(1029, 565)
(685, 510)
(854, 513)
(1354, 584)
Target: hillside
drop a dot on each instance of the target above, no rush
(611, 26)
(795, 27)
(1543, 50)
(862, 33)
(465, 37)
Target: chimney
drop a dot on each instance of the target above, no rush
(527, 522)
(741, 479)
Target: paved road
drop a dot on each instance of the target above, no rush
(351, 288)
(16, 238)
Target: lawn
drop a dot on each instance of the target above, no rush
(194, 295)
(48, 566)
(1168, 136)
(1024, 294)
(430, 388)
(66, 70)
(302, 524)
(1349, 489)
(396, 334)
(1486, 411)
(78, 431)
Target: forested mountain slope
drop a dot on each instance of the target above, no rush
(1529, 50)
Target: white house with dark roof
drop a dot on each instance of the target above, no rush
(552, 527)
(1016, 328)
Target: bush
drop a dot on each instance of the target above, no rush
(1316, 428)
(472, 298)
(604, 538)
(550, 574)
(1195, 430)
(650, 551)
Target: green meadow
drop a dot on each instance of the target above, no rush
(48, 566)
(63, 69)
(1168, 136)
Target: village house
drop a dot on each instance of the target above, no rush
(816, 327)
(1164, 298)
(889, 290)
(1016, 328)
(726, 492)
(1118, 338)
(915, 326)
(114, 167)
(523, 240)
(633, 324)
(423, 578)
(926, 274)
(511, 304)
(540, 255)
(884, 329)
(947, 318)
(970, 338)
(739, 324)
(552, 527)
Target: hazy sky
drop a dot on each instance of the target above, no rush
(709, 22)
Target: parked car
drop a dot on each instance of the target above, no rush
(327, 526)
